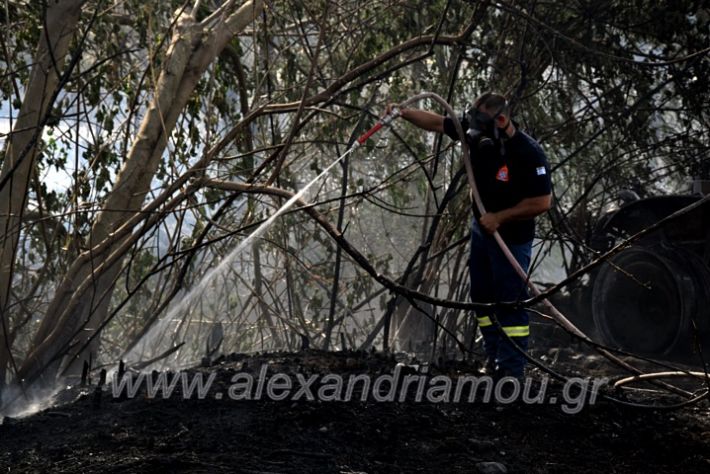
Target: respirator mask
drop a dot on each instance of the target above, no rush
(482, 129)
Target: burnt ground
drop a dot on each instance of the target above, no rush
(120, 434)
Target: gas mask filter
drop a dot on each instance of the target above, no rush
(482, 130)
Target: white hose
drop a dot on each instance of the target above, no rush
(660, 375)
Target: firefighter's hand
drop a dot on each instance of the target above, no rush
(388, 109)
(490, 222)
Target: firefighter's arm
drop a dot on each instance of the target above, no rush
(525, 209)
(423, 119)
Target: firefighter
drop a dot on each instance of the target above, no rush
(513, 178)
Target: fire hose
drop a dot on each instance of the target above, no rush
(557, 315)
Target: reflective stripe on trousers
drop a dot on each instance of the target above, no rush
(512, 331)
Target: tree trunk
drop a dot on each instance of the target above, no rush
(60, 24)
(193, 47)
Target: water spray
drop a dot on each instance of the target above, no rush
(159, 330)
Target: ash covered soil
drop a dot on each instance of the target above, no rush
(119, 434)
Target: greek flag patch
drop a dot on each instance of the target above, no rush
(540, 170)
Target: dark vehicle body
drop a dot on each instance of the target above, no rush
(653, 297)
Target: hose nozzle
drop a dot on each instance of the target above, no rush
(383, 122)
(389, 118)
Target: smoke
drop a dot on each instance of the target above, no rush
(16, 402)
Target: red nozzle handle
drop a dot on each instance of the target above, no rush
(386, 120)
(363, 138)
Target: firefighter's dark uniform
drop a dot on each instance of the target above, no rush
(504, 176)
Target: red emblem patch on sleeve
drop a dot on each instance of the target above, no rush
(502, 174)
